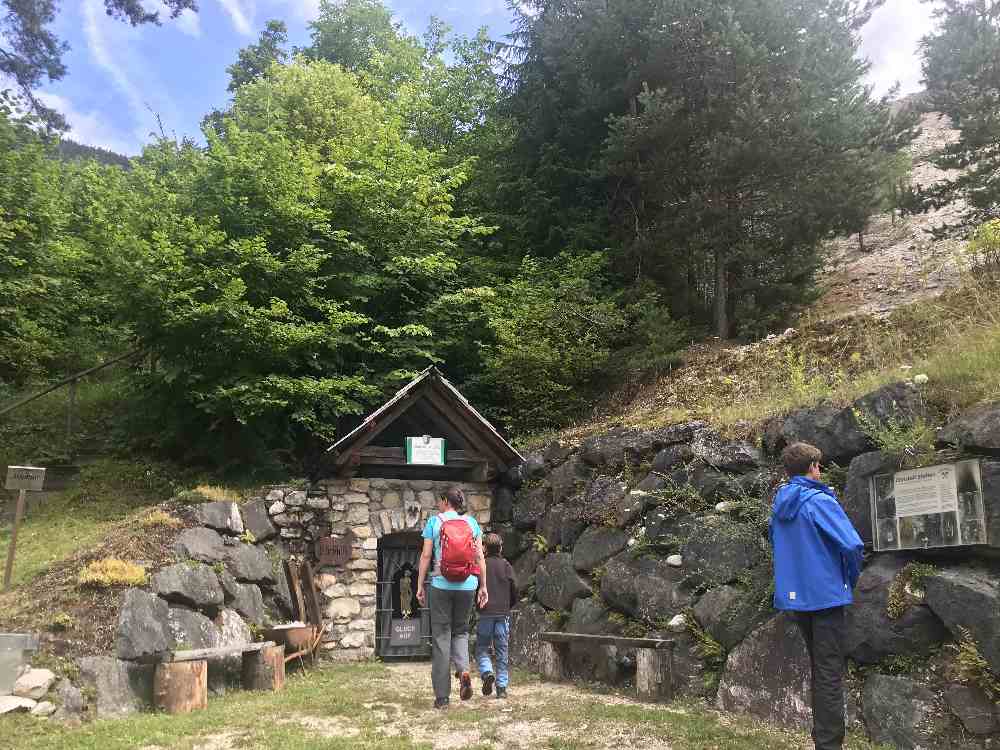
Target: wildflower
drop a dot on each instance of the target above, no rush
(920, 379)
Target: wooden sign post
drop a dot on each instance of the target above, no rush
(24, 479)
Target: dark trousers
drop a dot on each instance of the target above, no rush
(450, 612)
(823, 632)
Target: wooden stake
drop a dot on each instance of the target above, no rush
(264, 669)
(18, 514)
(181, 687)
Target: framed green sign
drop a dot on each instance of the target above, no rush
(426, 450)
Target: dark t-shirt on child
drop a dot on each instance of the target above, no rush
(501, 587)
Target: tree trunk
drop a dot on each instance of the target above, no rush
(550, 660)
(721, 296)
(264, 669)
(181, 687)
(861, 241)
(652, 674)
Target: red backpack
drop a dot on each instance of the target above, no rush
(458, 550)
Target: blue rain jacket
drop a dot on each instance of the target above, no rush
(817, 552)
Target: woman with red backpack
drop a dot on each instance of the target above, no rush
(455, 543)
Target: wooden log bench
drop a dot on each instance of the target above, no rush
(180, 683)
(654, 659)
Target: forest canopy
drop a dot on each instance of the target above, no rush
(543, 216)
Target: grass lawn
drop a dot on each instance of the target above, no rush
(379, 706)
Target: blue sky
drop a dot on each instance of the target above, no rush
(120, 76)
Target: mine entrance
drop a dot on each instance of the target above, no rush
(402, 626)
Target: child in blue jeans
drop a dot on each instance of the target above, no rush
(494, 619)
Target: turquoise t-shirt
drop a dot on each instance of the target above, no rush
(433, 531)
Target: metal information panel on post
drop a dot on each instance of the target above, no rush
(24, 479)
(934, 506)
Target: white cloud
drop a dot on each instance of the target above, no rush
(890, 41)
(241, 13)
(89, 127)
(189, 23)
(115, 47)
(303, 10)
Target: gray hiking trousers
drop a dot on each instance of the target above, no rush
(450, 613)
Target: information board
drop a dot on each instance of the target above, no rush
(30, 478)
(426, 450)
(934, 506)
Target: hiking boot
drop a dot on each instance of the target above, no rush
(440, 703)
(501, 692)
(488, 680)
(466, 690)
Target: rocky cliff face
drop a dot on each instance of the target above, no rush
(664, 532)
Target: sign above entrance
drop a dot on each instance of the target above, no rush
(936, 506)
(426, 451)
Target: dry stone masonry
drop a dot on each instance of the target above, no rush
(364, 510)
(663, 533)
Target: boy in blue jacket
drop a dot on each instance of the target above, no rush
(817, 560)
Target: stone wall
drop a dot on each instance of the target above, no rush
(663, 533)
(367, 510)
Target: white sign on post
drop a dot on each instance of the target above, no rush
(30, 478)
(24, 479)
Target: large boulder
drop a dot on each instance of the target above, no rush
(585, 661)
(710, 483)
(968, 597)
(719, 548)
(895, 711)
(120, 687)
(837, 432)
(768, 676)
(557, 583)
(645, 588)
(249, 564)
(530, 506)
(514, 542)
(203, 545)
(567, 480)
(142, 626)
(857, 492)
(71, 701)
(732, 456)
(533, 467)
(502, 510)
(672, 456)
(556, 452)
(257, 520)
(729, 613)
(233, 631)
(597, 544)
(976, 430)
(561, 526)
(245, 598)
(224, 517)
(977, 712)
(871, 634)
(527, 620)
(191, 630)
(34, 684)
(526, 566)
(191, 585)
(607, 500)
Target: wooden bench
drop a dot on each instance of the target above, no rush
(654, 659)
(180, 683)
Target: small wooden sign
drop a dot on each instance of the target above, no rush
(405, 632)
(30, 478)
(334, 550)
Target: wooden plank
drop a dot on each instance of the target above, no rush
(181, 688)
(550, 660)
(653, 674)
(313, 611)
(605, 640)
(380, 456)
(211, 653)
(375, 428)
(298, 604)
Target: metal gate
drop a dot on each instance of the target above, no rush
(402, 626)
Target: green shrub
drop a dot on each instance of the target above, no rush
(972, 668)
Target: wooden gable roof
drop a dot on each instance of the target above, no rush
(428, 404)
